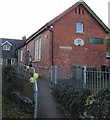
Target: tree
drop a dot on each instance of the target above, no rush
(108, 43)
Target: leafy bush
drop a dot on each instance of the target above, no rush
(11, 111)
(7, 75)
(23, 101)
(108, 45)
(81, 103)
(15, 104)
(71, 98)
(98, 106)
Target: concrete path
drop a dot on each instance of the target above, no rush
(48, 108)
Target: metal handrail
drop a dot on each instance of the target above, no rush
(41, 67)
(35, 93)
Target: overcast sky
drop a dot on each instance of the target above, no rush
(24, 17)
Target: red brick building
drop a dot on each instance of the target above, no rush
(75, 37)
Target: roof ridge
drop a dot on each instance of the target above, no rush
(81, 0)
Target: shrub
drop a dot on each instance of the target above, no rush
(81, 103)
(73, 99)
(7, 75)
(98, 106)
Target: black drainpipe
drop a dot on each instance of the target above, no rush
(48, 28)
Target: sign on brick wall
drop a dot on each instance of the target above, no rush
(94, 40)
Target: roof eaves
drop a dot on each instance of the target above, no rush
(64, 13)
(96, 17)
(36, 33)
(49, 23)
(33, 35)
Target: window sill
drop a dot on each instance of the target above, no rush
(6, 50)
(36, 61)
(80, 32)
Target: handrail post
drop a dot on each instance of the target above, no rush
(35, 99)
(85, 68)
(35, 96)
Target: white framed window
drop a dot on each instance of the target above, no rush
(6, 47)
(38, 49)
(79, 28)
(1, 61)
(107, 54)
(21, 55)
(12, 61)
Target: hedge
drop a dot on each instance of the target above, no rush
(81, 102)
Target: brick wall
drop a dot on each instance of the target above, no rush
(45, 49)
(64, 35)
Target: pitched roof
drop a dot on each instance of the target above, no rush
(14, 43)
(80, 2)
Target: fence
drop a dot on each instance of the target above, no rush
(21, 82)
(30, 73)
(67, 74)
(24, 93)
(15, 88)
(44, 72)
(97, 78)
(82, 76)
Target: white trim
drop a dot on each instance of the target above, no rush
(21, 55)
(65, 47)
(6, 47)
(38, 49)
(107, 55)
(82, 26)
(13, 61)
(7, 42)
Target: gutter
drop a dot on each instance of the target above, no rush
(33, 35)
(36, 33)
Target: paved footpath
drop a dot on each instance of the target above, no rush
(48, 108)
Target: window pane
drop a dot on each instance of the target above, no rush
(108, 54)
(6, 47)
(12, 61)
(38, 49)
(79, 27)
